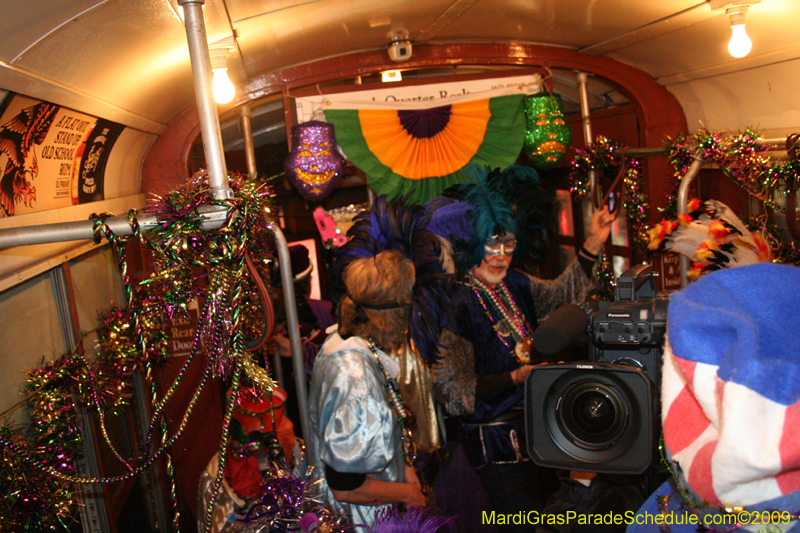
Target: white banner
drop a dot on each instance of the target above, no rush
(416, 96)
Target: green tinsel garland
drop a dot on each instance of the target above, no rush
(603, 156)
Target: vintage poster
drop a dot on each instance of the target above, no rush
(50, 156)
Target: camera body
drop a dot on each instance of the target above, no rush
(603, 415)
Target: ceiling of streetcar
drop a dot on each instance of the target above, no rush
(129, 62)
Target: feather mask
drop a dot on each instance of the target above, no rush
(508, 201)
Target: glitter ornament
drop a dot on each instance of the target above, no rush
(315, 165)
(547, 136)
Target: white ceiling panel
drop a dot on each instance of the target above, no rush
(25, 23)
(567, 23)
(128, 60)
(703, 44)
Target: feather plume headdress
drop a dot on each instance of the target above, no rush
(712, 236)
(397, 225)
(497, 202)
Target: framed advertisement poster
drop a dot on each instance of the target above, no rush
(50, 156)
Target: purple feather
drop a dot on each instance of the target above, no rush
(414, 521)
(450, 219)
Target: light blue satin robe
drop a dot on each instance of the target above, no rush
(353, 427)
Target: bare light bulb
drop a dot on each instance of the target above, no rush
(224, 91)
(740, 43)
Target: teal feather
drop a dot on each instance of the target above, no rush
(492, 213)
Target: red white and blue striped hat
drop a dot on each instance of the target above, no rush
(731, 384)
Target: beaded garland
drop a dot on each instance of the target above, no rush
(693, 506)
(405, 418)
(511, 319)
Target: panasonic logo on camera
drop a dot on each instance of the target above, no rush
(619, 315)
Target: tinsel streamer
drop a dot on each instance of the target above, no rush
(223, 446)
(784, 249)
(605, 279)
(134, 338)
(161, 405)
(150, 383)
(119, 247)
(636, 206)
(603, 157)
(287, 504)
(132, 304)
(183, 246)
(217, 328)
(31, 501)
(24, 450)
(55, 439)
(740, 157)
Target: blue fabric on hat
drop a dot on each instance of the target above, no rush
(746, 320)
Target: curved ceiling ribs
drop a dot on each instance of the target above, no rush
(660, 115)
(659, 111)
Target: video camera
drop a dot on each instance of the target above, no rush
(603, 415)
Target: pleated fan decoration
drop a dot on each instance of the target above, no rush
(419, 153)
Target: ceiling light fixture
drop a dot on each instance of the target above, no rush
(740, 44)
(223, 87)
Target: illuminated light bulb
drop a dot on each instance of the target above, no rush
(391, 75)
(224, 91)
(740, 43)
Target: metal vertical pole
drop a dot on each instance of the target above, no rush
(683, 203)
(206, 107)
(150, 478)
(292, 326)
(583, 91)
(93, 510)
(247, 138)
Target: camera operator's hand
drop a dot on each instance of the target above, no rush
(599, 230)
(518, 376)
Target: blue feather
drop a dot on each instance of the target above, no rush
(450, 219)
(397, 225)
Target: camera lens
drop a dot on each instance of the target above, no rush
(592, 415)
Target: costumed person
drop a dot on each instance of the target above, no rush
(358, 420)
(398, 225)
(730, 399)
(486, 352)
(255, 454)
